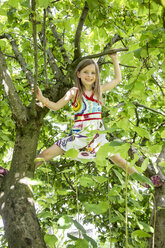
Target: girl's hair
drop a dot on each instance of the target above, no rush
(78, 83)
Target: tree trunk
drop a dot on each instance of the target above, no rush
(158, 219)
(21, 225)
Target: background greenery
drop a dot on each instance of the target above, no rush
(66, 191)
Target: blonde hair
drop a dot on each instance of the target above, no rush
(78, 83)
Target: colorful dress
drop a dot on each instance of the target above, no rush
(83, 135)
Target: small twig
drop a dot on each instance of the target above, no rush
(10, 56)
(156, 82)
(44, 45)
(69, 182)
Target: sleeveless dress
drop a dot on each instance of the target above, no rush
(83, 135)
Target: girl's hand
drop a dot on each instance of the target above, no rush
(113, 56)
(39, 95)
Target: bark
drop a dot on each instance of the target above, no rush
(77, 51)
(19, 57)
(17, 108)
(21, 225)
(158, 214)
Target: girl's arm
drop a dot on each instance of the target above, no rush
(117, 77)
(70, 94)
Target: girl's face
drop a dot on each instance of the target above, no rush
(87, 76)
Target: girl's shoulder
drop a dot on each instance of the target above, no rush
(73, 93)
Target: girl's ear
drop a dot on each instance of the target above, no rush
(78, 74)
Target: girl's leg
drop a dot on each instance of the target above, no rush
(116, 159)
(48, 154)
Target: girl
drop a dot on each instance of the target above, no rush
(86, 99)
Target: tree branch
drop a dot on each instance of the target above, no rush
(151, 109)
(44, 45)
(17, 108)
(156, 82)
(115, 39)
(70, 184)
(109, 62)
(34, 25)
(111, 51)
(77, 51)
(58, 39)
(60, 43)
(160, 158)
(98, 55)
(51, 59)
(19, 57)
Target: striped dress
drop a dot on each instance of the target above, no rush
(83, 135)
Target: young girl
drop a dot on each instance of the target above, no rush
(86, 99)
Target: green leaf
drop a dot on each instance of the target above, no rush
(114, 219)
(120, 177)
(162, 163)
(140, 234)
(163, 134)
(114, 191)
(142, 132)
(86, 181)
(13, 3)
(146, 227)
(50, 240)
(104, 152)
(72, 153)
(141, 179)
(72, 237)
(100, 179)
(145, 164)
(64, 222)
(100, 208)
(45, 215)
(116, 143)
(93, 3)
(63, 191)
(79, 226)
(124, 123)
(43, 3)
(81, 243)
(90, 240)
(155, 149)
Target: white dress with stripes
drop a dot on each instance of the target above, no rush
(83, 135)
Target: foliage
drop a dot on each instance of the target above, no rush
(66, 188)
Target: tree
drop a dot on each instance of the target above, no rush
(64, 32)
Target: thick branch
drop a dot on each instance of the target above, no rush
(19, 57)
(17, 108)
(77, 51)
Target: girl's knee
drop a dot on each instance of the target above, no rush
(116, 157)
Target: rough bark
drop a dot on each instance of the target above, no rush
(158, 214)
(17, 208)
(17, 108)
